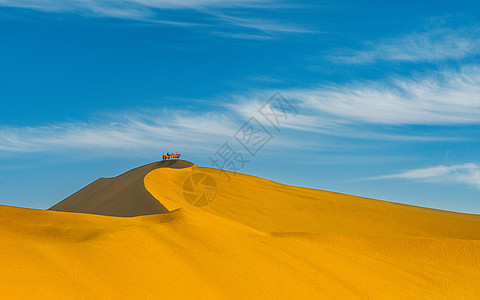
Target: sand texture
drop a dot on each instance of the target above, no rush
(257, 239)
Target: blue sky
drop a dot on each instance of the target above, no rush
(386, 94)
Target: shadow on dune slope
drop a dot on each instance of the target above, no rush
(121, 196)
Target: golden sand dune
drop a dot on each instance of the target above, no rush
(257, 239)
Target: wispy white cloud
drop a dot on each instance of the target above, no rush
(446, 98)
(125, 132)
(368, 110)
(360, 110)
(147, 11)
(263, 25)
(468, 173)
(430, 46)
(381, 110)
(122, 7)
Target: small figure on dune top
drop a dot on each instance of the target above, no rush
(170, 156)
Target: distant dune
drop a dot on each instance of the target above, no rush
(257, 239)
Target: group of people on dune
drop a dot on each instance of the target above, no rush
(171, 156)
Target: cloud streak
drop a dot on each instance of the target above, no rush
(382, 110)
(432, 46)
(210, 13)
(365, 110)
(446, 98)
(122, 8)
(468, 173)
(127, 132)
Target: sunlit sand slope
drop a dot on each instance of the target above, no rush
(257, 239)
(269, 206)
